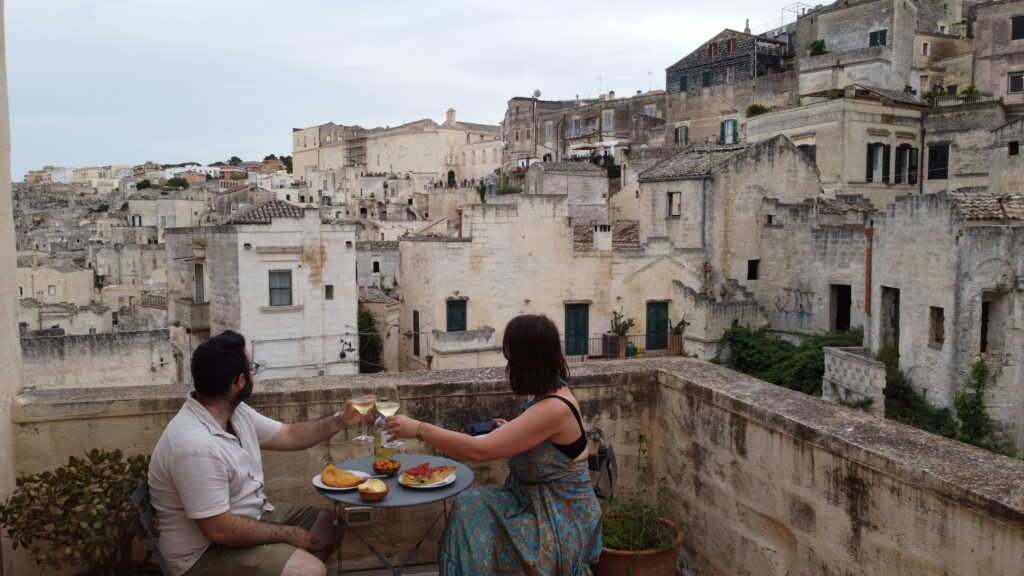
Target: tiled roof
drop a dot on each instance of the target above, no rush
(266, 213)
(372, 294)
(692, 162)
(569, 168)
(625, 234)
(987, 206)
(655, 153)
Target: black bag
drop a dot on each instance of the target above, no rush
(607, 471)
(482, 427)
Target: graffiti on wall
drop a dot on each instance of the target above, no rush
(796, 307)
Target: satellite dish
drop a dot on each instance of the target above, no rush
(536, 93)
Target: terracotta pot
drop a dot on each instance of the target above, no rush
(642, 562)
(675, 344)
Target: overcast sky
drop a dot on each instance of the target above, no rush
(98, 82)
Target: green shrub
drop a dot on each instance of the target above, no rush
(757, 353)
(371, 346)
(817, 48)
(79, 514)
(756, 110)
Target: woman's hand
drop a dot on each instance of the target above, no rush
(401, 426)
(350, 416)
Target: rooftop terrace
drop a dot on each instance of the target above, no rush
(767, 480)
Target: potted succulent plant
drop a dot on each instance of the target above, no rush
(637, 537)
(675, 336)
(80, 514)
(620, 327)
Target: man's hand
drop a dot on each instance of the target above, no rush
(350, 416)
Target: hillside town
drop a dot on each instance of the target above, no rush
(857, 168)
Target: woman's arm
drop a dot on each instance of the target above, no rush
(539, 423)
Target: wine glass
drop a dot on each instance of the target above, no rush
(387, 404)
(363, 404)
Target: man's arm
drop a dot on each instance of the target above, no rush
(241, 531)
(302, 435)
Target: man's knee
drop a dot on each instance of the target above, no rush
(302, 563)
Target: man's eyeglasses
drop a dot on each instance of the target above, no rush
(254, 368)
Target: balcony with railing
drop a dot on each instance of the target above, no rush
(190, 314)
(652, 345)
(766, 480)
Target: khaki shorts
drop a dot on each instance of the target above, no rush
(260, 560)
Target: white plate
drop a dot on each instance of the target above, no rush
(320, 483)
(444, 482)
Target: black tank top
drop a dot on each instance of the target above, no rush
(576, 448)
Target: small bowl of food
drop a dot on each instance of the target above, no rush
(386, 467)
(373, 490)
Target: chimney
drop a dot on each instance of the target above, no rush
(602, 237)
(746, 29)
(611, 94)
(450, 116)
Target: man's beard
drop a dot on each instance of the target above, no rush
(244, 393)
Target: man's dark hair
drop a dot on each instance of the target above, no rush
(534, 353)
(217, 363)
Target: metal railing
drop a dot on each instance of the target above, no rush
(609, 346)
(154, 300)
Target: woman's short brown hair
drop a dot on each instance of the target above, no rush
(533, 349)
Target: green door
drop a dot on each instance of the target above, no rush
(657, 325)
(577, 328)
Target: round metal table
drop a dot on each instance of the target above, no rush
(399, 496)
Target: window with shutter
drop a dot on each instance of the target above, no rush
(938, 162)
(707, 78)
(682, 84)
(1016, 27)
(1015, 82)
(456, 316)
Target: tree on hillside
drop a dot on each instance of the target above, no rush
(370, 344)
(269, 157)
(287, 163)
(143, 184)
(235, 161)
(178, 182)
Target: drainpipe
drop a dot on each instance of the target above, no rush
(869, 234)
(458, 212)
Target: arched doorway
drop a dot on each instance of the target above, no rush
(451, 178)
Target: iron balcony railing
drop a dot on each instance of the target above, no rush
(610, 346)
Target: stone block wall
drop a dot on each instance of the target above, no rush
(851, 376)
(767, 481)
(97, 360)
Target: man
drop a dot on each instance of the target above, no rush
(206, 478)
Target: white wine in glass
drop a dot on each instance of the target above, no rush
(387, 404)
(363, 404)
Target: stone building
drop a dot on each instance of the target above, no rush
(958, 144)
(276, 274)
(384, 310)
(556, 131)
(729, 57)
(998, 58)
(56, 284)
(864, 140)
(946, 292)
(377, 264)
(94, 361)
(70, 319)
(584, 184)
(869, 42)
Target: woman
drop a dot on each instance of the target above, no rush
(543, 521)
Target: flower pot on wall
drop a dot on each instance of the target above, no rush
(640, 562)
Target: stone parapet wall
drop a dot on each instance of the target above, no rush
(851, 375)
(97, 360)
(767, 480)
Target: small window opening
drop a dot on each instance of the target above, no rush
(1013, 148)
(753, 269)
(936, 325)
(329, 292)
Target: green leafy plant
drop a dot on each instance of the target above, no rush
(757, 109)
(371, 346)
(905, 405)
(817, 47)
(634, 522)
(621, 325)
(678, 327)
(799, 367)
(79, 514)
(975, 423)
(934, 94)
(481, 191)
